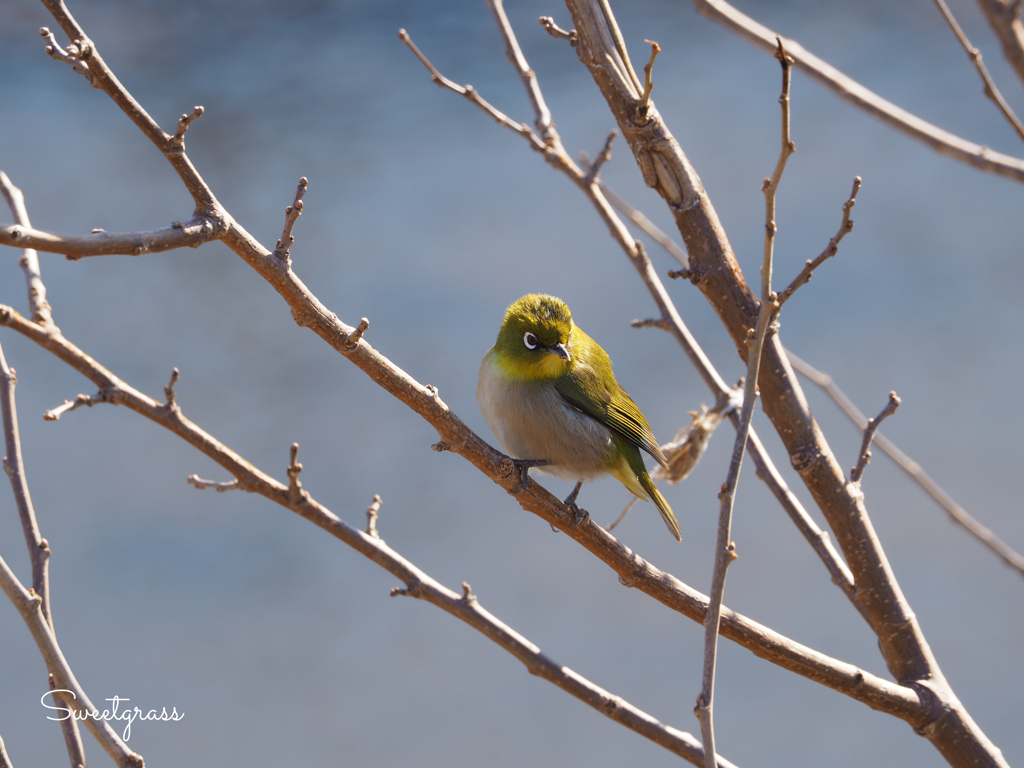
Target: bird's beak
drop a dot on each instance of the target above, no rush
(561, 351)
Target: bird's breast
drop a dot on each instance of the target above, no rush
(532, 421)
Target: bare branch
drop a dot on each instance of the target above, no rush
(470, 93)
(725, 549)
(38, 547)
(713, 265)
(594, 172)
(5, 760)
(67, 406)
(645, 98)
(542, 116)
(555, 31)
(638, 218)
(309, 312)
(418, 584)
(559, 159)
(651, 322)
(295, 491)
(191, 233)
(29, 605)
(291, 215)
(178, 139)
(226, 485)
(39, 307)
(869, 434)
(71, 56)
(911, 467)
(14, 466)
(169, 389)
(371, 517)
(830, 250)
(1004, 18)
(357, 334)
(34, 604)
(84, 51)
(975, 55)
(941, 141)
(632, 570)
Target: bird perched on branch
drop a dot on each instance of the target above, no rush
(549, 395)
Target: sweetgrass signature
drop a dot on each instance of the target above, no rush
(128, 716)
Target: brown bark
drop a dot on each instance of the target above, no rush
(715, 271)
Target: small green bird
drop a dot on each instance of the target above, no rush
(549, 395)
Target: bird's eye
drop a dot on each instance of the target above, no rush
(530, 340)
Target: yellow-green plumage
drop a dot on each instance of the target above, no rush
(548, 392)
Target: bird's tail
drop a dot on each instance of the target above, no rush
(659, 501)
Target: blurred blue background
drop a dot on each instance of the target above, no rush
(279, 643)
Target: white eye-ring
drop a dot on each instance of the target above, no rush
(530, 340)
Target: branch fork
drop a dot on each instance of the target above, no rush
(74, 55)
(869, 435)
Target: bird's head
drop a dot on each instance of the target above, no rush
(534, 342)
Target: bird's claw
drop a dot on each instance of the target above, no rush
(580, 515)
(524, 466)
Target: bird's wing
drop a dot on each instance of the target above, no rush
(583, 389)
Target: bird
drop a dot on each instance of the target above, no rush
(547, 391)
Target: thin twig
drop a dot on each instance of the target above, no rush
(869, 433)
(357, 333)
(191, 233)
(178, 139)
(291, 215)
(84, 53)
(975, 55)
(650, 322)
(941, 141)
(71, 56)
(38, 306)
(169, 392)
(556, 31)
(295, 490)
(67, 406)
(29, 605)
(371, 517)
(542, 115)
(959, 515)
(645, 98)
(638, 218)
(470, 93)
(594, 172)
(224, 485)
(38, 547)
(725, 549)
(830, 250)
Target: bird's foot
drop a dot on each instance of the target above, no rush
(524, 466)
(581, 515)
